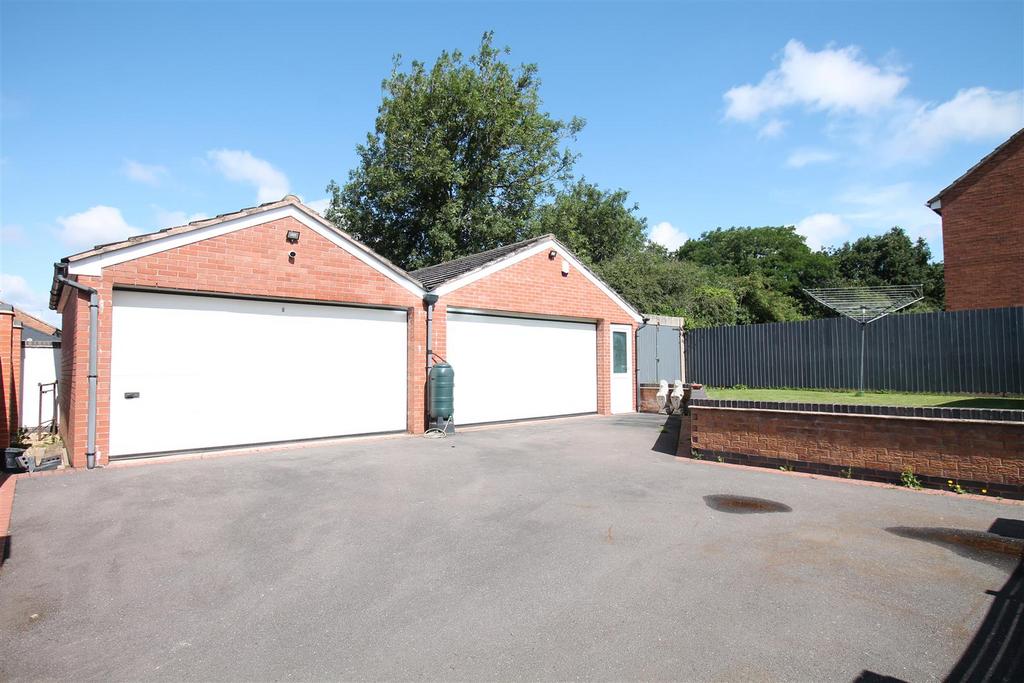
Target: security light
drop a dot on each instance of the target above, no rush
(293, 236)
(552, 254)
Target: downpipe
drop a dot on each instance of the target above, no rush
(636, 357)
(94, 315)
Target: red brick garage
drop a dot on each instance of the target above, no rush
(226, 332)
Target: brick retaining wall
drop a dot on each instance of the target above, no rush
(978, 450)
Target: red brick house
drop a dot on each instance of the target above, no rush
(983, 231)
(271, 325)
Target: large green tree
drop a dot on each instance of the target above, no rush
(779, 256)
(769, 265)
(891, 258)
(654, 282)
(596, 224)
(460, 157)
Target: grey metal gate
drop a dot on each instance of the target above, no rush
(659, 347)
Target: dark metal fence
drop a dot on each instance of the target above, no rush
(657, 353)
(978, 351)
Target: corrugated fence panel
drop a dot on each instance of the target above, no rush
(657, 352)
(979, 351)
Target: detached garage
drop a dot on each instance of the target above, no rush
(272, 325)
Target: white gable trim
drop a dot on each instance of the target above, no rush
(515, 258)
(94, 265)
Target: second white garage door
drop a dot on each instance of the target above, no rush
(515, 368)
(190, 372)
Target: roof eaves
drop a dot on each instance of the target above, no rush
(935, 203)
(518, 248)
(178, 229)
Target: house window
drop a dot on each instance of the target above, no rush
(619, 364)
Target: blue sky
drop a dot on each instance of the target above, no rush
(840, 118)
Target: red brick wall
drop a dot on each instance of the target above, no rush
(983, 235)
(253, 261)
(536, 285)
(7, 426)
(946, 449)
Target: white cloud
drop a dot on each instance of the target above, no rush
(823, 229)
(241, 166)
(97, 225)
(667, 235)
(872, 210)
(172, 219)
(15, 290)
(799, 158)
(867, 108)
(876, 208)
(973, 115)
(319, 205)
(772, 129)
(149, 174)
(832, 79)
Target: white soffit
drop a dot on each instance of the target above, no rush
(94, 265)
(513, 259)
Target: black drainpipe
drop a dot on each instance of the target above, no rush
(94, 308)
(430, 300)
(636, 351)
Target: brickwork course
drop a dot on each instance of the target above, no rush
(252, 262)
(983, 231)
(982, 453)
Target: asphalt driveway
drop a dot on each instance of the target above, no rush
(559, 550)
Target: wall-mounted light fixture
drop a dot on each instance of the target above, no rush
(293, 236)
(552, 254)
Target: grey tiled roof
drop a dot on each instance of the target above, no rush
(31, 333)
(434, 276)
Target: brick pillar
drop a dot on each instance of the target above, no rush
(16, 378)
(6, 377)
(604, 367)
(417, 374)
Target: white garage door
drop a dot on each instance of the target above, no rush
(515, 368)
(192, 372)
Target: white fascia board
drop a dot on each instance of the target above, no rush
(936, 205)
(513, 259)
(496, 313)
(94, 265)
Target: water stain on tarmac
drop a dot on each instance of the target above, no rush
(982, 546)
(744, 505)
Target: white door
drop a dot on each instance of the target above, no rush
(515, 368)
(622, 368)
(190, 372)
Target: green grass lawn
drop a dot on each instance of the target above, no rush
(872, 398)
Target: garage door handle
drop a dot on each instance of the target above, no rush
(131, 394)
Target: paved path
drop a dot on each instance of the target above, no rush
(560, 550)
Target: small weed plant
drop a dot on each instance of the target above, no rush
(847, 473)
(955, 487)
(908, 479)
(786, 468)
(696, 454)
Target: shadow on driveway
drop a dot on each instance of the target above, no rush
(668, 438)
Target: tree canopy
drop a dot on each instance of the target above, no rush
(596, 224)
(463, 158)
(461, 154)
(891, 258)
